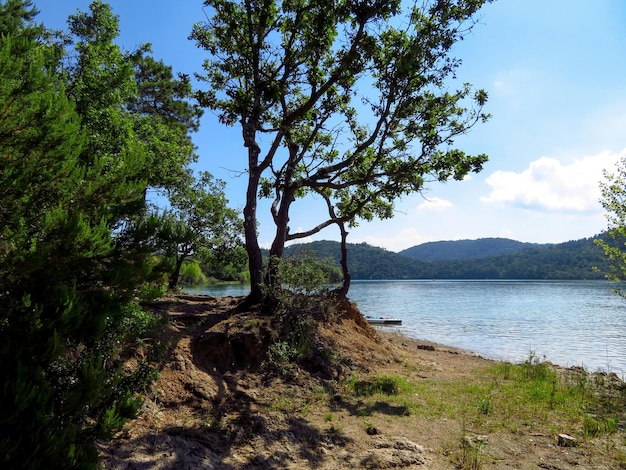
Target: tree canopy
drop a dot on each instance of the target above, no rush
(84, 133)
(350, 101)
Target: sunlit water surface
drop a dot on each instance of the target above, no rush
(571, 323)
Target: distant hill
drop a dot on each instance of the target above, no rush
(364, 261)
(569, 260)
(465, 249)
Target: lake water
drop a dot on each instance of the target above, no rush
(571, 323)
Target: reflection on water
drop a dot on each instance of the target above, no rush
(570, 323)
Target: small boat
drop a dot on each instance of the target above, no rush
(383, 320)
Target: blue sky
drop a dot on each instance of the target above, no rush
(555, 74)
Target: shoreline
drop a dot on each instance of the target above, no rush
(568, 323)
(426, 344)
(387, 331)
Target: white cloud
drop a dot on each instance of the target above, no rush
(265, 245)
(548, 184)
(435, 203)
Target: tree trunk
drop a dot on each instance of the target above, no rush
(342, 292)
(175, 276)
(281, 216)
(255, 258)
(277, 250)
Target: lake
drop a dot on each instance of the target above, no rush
(571, 323)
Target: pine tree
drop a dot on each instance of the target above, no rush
(164, 119)
(67, 275)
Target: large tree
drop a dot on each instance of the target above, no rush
(164, 116)
(101, 83)
(350, 100)
(133, 96)
(67, 313)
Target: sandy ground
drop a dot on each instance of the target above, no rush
(216, 407)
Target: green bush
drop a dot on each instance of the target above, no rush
(191, 274)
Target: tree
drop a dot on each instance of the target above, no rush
(613, 241)
(138, 119)
(164, 120)
(350, 99)
(28, 94)
(200, 223)
(138, 114)
(67, 314)
(76, 243)
(101, 83)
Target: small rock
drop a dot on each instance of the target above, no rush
(403, 443)
(371, 430)
(565, 440)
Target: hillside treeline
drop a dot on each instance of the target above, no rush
(579, 259)
(465, 249)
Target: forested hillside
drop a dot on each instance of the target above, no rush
(465, 249)
(569, 260)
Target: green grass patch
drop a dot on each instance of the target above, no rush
(378, 385)
(503, 397)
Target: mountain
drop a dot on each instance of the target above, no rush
(364, 261)
(465, 249)
(570, 260)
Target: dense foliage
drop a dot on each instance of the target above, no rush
(65, 283)
(465, 249)
(86, 130)
(352, 102)
(571, 260)
(201, 224)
